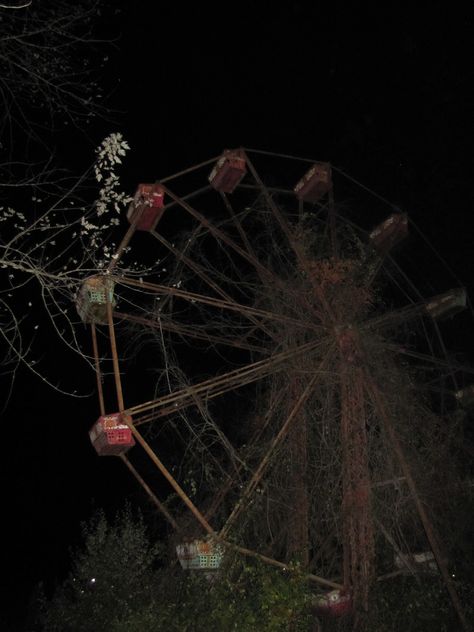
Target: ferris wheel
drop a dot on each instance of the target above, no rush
(285, 414)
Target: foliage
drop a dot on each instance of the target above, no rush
(121, 580)
(422, 605)
(112, 578)
(245, 597)
(117, 583)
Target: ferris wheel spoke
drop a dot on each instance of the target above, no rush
(233, 479)
(196, 268)
(267, 275)
(432, 359)
(243, 236)
(327, 583)
(277, 214)
(233, 306)
(187, 331)
(197, 437)
(265, 462)
(205, 277)
(396, 316)
(188, 170)
(218, 233)
(216, 386)
(446, 357)
(169, 477)
(293, 242)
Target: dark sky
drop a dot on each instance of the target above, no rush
(385, 94)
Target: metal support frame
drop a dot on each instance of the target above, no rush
(217, 386)
(423, 515)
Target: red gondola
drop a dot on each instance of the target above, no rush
(147, 206)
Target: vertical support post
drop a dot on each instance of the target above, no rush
(332, 222)
(298, 524)
(358, 532)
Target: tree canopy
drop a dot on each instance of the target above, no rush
(122, 580)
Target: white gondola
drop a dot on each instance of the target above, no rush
(91, 300)
(200, 555)
(421, 562)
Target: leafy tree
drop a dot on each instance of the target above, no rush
(243, 596)
(120, 580)
(112, 579)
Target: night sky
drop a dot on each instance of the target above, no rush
(384, 94)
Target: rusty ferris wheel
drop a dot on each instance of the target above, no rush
(284, 374)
